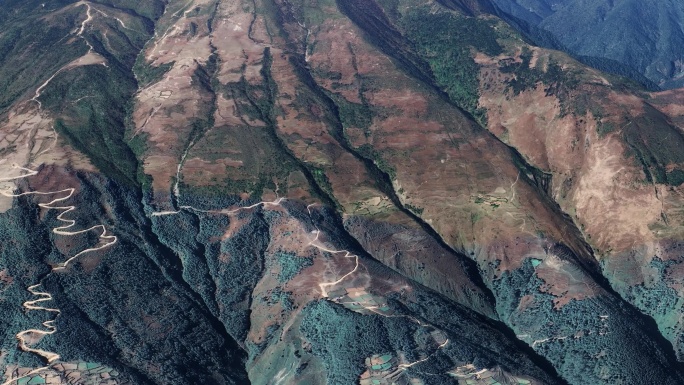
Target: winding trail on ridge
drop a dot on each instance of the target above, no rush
(372, 309)
(109, 240)
(106, 240)
(25, 337)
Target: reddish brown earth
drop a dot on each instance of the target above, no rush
(439, 172)
(454, 191)
(596, 177)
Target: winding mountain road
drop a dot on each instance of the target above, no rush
(25, 336)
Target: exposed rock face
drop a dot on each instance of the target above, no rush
(331, 192)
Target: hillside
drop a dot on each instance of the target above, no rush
(329, 192)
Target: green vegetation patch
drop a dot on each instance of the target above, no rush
(150, 10)
(148, 74)
(369, 152)
(657, 146)
(606, 323)
(28, 38)
(605, 128)
(90, 103)
(656, 298)
(527, 78)
(96, 124)
(447, 41)
(353, 114)
(291, 265)
(323, 183)
(342, 339)
(414, 209)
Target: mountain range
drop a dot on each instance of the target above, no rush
(641, 39)
(338, 192)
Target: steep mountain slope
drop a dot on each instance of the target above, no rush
(614, 161)
(645, 36)
(289, 192)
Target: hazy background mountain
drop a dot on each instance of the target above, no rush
(645, 35)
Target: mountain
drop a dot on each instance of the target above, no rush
(329, 192)
(643, 36)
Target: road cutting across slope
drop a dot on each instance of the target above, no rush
(51, 329)
(347, 254)
(316, 243)
(61, 230)
(26, 338)
(222, 211)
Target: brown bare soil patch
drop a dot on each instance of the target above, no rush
(591, 174)
(511, 254)
(338, 58)
(609, 185)
(436, 170)
(197, 171)
(27, 139)
(525, 303)
(565, 281)
(5, 277)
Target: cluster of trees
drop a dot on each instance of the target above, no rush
(526, 77)
(343, 339)
(657, 299)
(656, 144)
(620, 339)
(25, 36)
(135, 311)
(446, 40)
(92, 102)
(291, 265)
(473, 338)
(25, 245)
